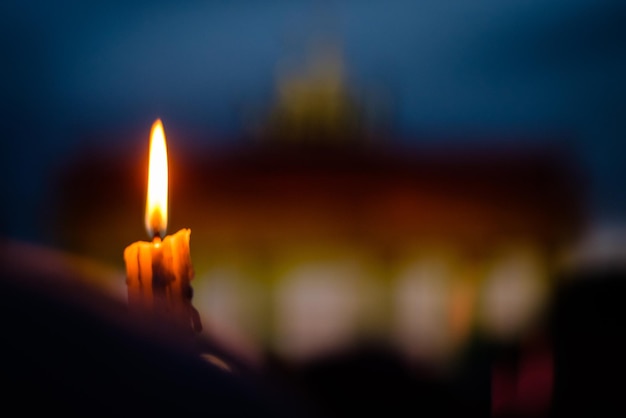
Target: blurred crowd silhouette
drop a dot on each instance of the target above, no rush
(67, 347)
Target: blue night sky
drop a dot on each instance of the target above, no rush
(519, 68)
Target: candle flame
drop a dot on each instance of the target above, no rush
(156, 202)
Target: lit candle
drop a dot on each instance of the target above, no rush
(158, 272)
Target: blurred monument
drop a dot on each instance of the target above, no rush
(319, 232)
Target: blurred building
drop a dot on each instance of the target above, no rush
(310, 237)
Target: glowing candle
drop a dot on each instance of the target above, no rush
(158, 273)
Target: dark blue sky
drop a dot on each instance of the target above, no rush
(531, 69)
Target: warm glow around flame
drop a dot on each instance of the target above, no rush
(156, 203)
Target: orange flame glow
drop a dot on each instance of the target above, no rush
(156, 202)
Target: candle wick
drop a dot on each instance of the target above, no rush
(157, 238)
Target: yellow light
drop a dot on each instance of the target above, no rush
(156, 202)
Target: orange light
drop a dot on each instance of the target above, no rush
(156, 202)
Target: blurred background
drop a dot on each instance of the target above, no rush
(410, 199)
